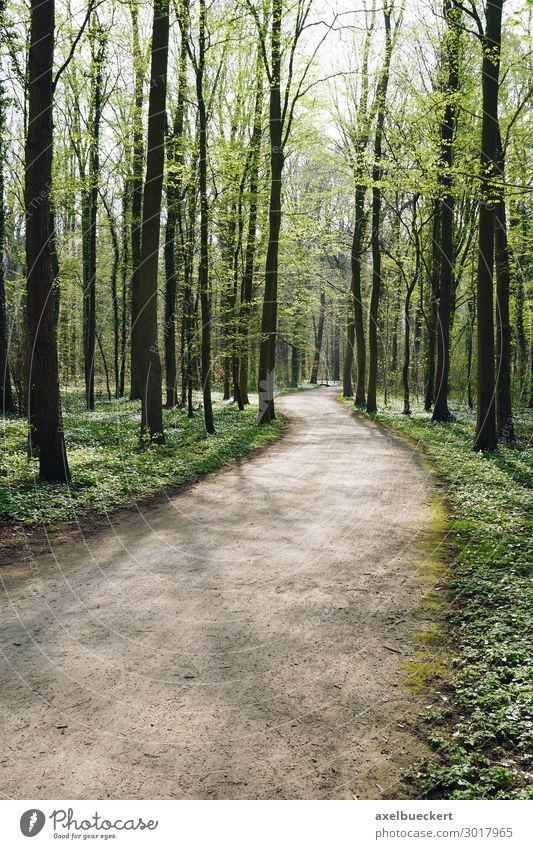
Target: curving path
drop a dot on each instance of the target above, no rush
(243, 639)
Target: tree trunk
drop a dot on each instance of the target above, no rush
(377, 172)
(486, 437)
(150, 371)
(7, 402)
(44, 404)
(347, 366)
(124, 284)
(469, 353)
(441, 412)
(267, 348)
(504, 409)
(319, 335)
(97, 59)
(357, 254)
(407, 354)
(247, 283)
(203, 271)
(336, 358)
(137, 333)
(429, 393)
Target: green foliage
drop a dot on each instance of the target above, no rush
(108, 466)
(484, 744)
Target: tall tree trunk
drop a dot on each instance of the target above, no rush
(137, 330)
(175, 158)
(7, 402)
(486, 437)
(407, 353)
(114, 299)
(441, 412)
(357, 255)
(44, 403)
(295, 366)
(126, 204)
(267, 348)
(336, 358)
(377, 172)
(347, 365)
(469, 353)
(247, 283)
(97, 39)
(203, 271)
(429, 392)
(150, 372)
(319, 335)
(504, 409)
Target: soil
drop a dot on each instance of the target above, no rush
(244, 638)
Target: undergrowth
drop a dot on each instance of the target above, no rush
(109, 468)
(483, 734)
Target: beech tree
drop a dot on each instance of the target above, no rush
(44, 403)
(150, 364)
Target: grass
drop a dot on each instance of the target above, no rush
(483, 734)
(108, 468)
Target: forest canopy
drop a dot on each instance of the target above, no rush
(202, 197)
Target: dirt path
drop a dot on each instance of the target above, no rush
(244, 639)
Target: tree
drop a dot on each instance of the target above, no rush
(44, 404)
(150, 365)
(7, 402)
(452, 48)
(174, 191)
(251, 241)
(98, 38)
(136, 204)
(199, 65)
(490, 37)
(319, 335)
(357, 137)
(504, 408)
(281, 115)
(377, 172)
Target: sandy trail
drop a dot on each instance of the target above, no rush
(244, 639)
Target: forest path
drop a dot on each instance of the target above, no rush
(244, 639)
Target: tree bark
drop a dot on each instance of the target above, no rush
(504, 408)
(136, 208)
(203, 271)
(267, 348)
(97, 40)
(486, 437)
(429, 393)
(248, 276)
(377, 173)
(441, 412)
(319, 335)
(7, 402)
(44, 403)
(357, 255)
(175, 158)
(150, 370)
(347, 365)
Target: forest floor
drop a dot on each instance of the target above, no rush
(246, 638)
